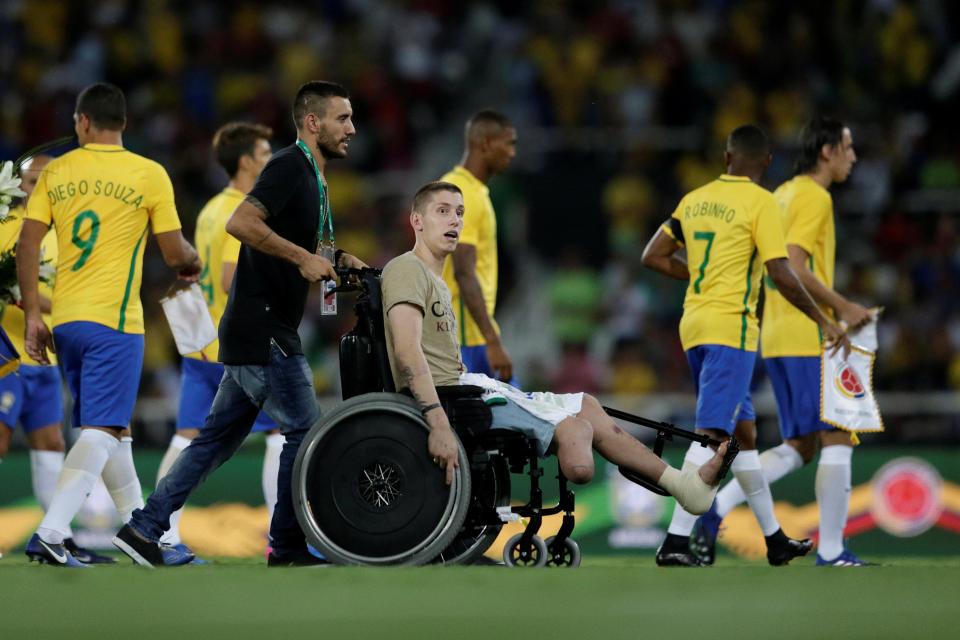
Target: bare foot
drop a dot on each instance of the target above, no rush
(710, 472)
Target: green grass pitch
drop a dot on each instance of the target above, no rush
(608, 597)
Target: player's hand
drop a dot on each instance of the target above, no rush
(37, 339)
(499, 360)
(835, 339)
(442, 445)
(191, 272)
(314, 268)
(855, 316)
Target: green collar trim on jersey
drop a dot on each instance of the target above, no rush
(729, 178)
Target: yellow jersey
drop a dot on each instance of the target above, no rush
(11, 316)
(806, 209)
(480, 230)
(100, 199)
(216, 247)
(730, 228)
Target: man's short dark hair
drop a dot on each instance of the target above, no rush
(749, 141)
(422, 196)
(311, 98)
(236, 139)
(484, 123)
(105, 105)
(817, 132)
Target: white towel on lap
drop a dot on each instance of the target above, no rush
(552, 407)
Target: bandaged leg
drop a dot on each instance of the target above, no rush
(177, 444)
(749, 474)
(81, 468)
(120, 477)
(693, 495)
(776, 463)
(833, 497)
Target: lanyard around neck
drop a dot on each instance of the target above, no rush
(326, 216)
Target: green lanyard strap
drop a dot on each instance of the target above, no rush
(326, 217)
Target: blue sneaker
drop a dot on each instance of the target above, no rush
(845, 559)
(176, 555)
(182, 548)
(703, 538)
(55, 554)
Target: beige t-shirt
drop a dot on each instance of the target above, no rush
(406, 279)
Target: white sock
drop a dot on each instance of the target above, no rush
(271, 467)
(81, 468)
(833, 497)
(776, 462)
(177, 444)
(120, 477)
(681, 524)
(45, 468)
(748, 472)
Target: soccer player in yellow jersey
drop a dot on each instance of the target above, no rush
(731, 230)
(242, 149)
(791, 343)
(471, 271)
(101, 199)
(33, 396)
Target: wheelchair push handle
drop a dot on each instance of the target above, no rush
(358, 276)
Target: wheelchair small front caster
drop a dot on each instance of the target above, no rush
(532, 555)
(568, 556)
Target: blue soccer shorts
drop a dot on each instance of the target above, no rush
(475, 361)
(721, 376)
(102, 367)
(199, 381)
(32, 397)
(796, 385)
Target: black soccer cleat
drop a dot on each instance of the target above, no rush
(703, 538)
(305, 559)
(781, 549)
(675, 552)
(86, 556)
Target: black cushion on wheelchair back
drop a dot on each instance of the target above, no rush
(376, 492)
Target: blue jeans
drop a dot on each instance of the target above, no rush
(283, 388)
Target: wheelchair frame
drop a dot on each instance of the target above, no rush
(365, 368)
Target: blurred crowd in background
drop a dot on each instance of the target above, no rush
(621, 107)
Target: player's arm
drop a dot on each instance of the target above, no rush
(790, 285)
(853, 314)
(406, 326)
(248, 225)
(37, 337)
(660, 254)
(179, 254)
(465, 273)
(226, 275)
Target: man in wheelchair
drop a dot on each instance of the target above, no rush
(421, 340)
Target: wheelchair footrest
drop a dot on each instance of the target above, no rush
(643, 482)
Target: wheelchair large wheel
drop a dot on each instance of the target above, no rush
(491, 486)
(366, 490)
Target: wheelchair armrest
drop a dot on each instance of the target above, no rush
(643, 482)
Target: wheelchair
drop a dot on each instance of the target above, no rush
(366, 491)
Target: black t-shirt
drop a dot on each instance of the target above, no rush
(268, 294)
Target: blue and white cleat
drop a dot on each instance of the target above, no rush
(184, 549)
(845, 559)
(55, 554)
(176, 555)
(703, 539)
